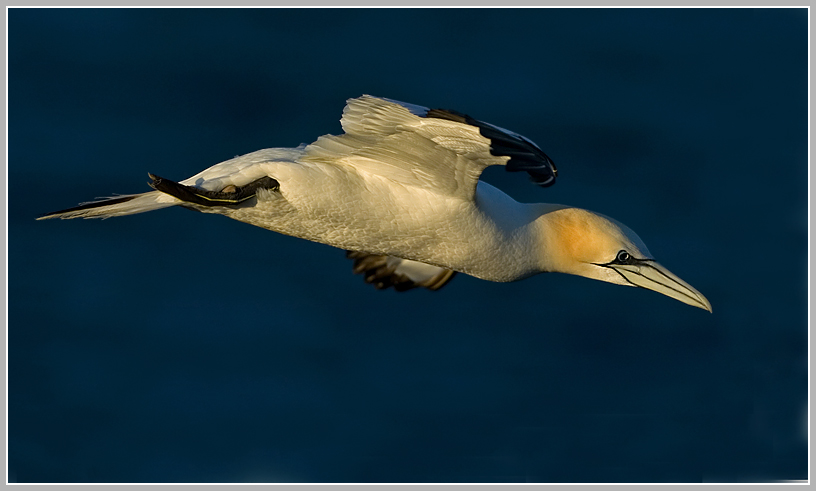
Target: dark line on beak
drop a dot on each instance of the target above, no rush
(667, 286)
(609, 265)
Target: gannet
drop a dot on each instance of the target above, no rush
(400, 192)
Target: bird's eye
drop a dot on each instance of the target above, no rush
(623, 257)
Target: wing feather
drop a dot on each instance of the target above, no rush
(430, 148)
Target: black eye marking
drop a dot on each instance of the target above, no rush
(624, 258)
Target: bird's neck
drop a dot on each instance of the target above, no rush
(524, 235)
(546, 234)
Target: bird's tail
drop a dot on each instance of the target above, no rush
(117, 206)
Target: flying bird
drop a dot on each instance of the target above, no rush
(400, 192)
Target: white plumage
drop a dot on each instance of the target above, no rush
(400, 190)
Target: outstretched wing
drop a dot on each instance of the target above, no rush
(436, 149)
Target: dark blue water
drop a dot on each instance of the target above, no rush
(175, 346)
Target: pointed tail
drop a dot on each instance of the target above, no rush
(116, 206)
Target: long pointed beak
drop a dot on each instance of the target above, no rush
(653, 276)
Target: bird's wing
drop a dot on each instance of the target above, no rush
(243, 169)
(401, 274)
(436, 149)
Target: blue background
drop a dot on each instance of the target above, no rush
(176, 346)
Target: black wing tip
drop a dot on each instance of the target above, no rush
(542, 171)
(86, 206)
(524, 154)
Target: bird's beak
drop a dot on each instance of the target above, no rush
(653, 276)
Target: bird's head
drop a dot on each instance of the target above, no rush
(586, 244)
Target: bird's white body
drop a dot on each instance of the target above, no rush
(403, 183)
(490, 237)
